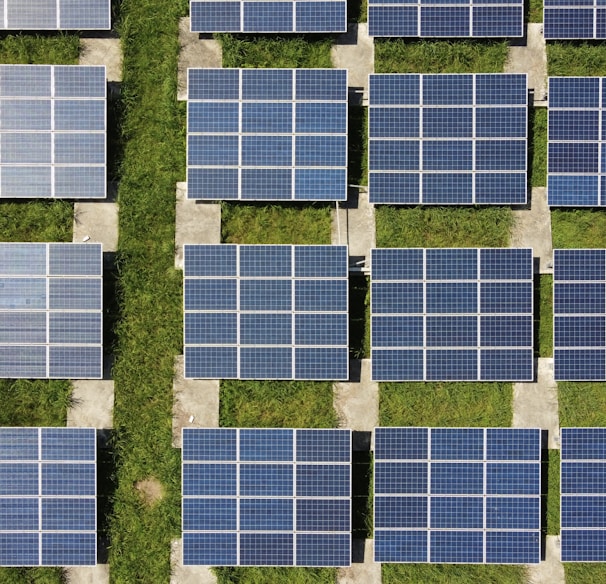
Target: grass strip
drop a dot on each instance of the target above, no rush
(576, 58)
(582, 404)
(452, 574)
(543, 315)
(551, 492)
(578, 228)
(537, 146)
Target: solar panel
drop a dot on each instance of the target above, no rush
(575, 174)
(48, 497)
(266, 312)
(52, 131)
(583, 495)
(56, 15)
(455, 18)
(448, 139)
(579, 306)
(51, 320)
(451, 314)
(266, 497)
(457, 495)
(252, 16)
(574, 19)
(260, 134)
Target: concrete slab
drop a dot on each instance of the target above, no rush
(357, 401)
(355, 51)
(532, 228)
(196, 222)
(180, 574)
(353, 224)
(196, 402)
(96, 222)
(531, 58)
(103, 51)
(92, 404)
(535, 405)
(195, 52)
(98, 574)
(363, 569)
(551, 570)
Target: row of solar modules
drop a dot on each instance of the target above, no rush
(48, 489)
(55, 14)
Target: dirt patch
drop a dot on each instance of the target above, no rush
(150, 490)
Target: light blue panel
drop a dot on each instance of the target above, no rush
(266, 514)
(212, 150)
(457, 478)
(81, 81)
(400, 512)
(75, 293)
(394, 89)
(75, 362)
(315, 17)
(19, 514)
(82, 328)
(210, 294)
(456, 546)
(451, 331)
(69, 514)
(210, 549)
(457, 512)
(266, 549)
(23, 259)
(18, 444)
(513, 444)
(95, 14)
(513, 547)
(317, 295)
(441, 122)
(513, 512)
(25, 80)
(214, 328)
(25, 148)
(74, 148)
(213, 444)
(322, 363)
(210, 479)
(209, 260)
(451, 297)
(80, 115)
(321, 329)
(19, 479)
(209, 514)
(501, 155)
(267, 118)
(213, 117)
(320, 184)
(25, 182)
(397, 331)
(266, 445)
(22, 327)
(401, 444)
(70, 479)
(397, 264)
(397, 365)
(80, 182)
(322, 84)
(69, 549)
(266, 295)
(323, 549)
(19, 549)
(260, 261)
(69, 444)
(323, 480)
(321, 150)
(401, 478)
(27, 361)
(447, 89)
(323, 445)
(266, 150)
(25, 114)
(396, 297)
(457, 444)
(266, 184)
(321, 118)
(266, 480)
(401, 546)
(267, 17)
(265, 363)
(211, 362)
(393, 122)
(212, 84)
(513, 478)
(266, 329)
(267, 84)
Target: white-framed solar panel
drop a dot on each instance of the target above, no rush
(266, 497)
(574, 19)
(267, 134)
(266, 312)
(48, 492)
(51, 310)
(457, 495)
(56, 14)
(53, 132)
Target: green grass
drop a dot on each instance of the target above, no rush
(552, 492)
(260, 223)
(451, 574)
(543, 315)
(443, 226)
(464, 56)
(275, 52)
(576, 58)
(535, 11)
(582, 404)
(34, 402)
(445, 404)
(61, 49)
(538, 146)
(578, 228)
(36, 221)
(585, 573)
(276, 404)
(32, 576)
(275, 575)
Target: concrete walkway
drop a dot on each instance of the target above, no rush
(96, 222)
(535, 405)
(103, 51)
(363, 569)
(180, 574)
(550, 570)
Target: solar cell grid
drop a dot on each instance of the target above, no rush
(48, 496)
(574, 19)
(261, 134)
(447, 139)
(457, 495)
(284, 500)
(55, 15)
(451, 314)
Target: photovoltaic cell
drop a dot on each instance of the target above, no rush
(456, 18)
(451, 314)
(583, 495)
(579, 306)
(52, 131)
(447, 139)
(267, 134)
(457, 495)
(51, 321)
(266, 497)
(48, 491)
(56, 15)
(574, 19)
(265, 312)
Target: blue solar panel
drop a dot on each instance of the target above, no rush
(457, 495)
(579, 305)
(50, 310)
(56, 15)
(574, 19)
(458, 18)
(285, 500)
(462, 142)
(267, 134)
(583, 495)
(253, 16)
(452, 314)
(265, 312)
(48, 491)
(575, 134)
(53, 131)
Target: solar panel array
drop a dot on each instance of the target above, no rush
(575, 171)
(267, 134)
(446, 18)
(304, 16)
(48, 491)
(266, 312)
(266, 497)
(574, 19)
(452, 314)
(448, 139)
(51, 322)
(583, 495)
(579, 306)
(52, 131)
(457, 495)
(56, 14)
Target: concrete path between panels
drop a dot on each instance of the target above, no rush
(363, 569)
(97, 221)
(181, 574)
(103, 51)
(550, 570)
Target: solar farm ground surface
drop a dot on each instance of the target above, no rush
(149, 329)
